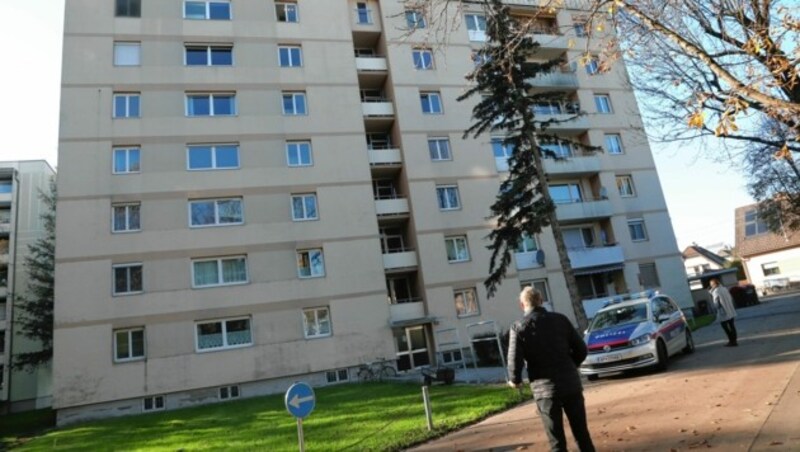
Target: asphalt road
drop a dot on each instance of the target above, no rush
(725, 398)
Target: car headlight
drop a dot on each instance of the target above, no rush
(643, 339)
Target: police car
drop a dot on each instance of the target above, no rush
(639, 330)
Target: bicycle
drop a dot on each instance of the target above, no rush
(376, 370)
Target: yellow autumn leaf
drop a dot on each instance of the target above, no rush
(570, 43)
(696, 119)
(783, 153)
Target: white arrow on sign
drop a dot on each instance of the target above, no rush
(297, 400)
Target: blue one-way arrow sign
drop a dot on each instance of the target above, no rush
(300, 400)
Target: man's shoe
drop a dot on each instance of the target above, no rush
(731, 344)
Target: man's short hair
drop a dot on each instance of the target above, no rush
(531, 296)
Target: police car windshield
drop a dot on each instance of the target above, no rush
(620, 316)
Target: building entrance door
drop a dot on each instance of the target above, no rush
(412, 347)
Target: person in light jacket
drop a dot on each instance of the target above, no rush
(726, 312)
(552, 349)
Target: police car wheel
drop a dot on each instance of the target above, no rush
(689, 349)
(662, 356)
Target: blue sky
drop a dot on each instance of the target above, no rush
(701, 194)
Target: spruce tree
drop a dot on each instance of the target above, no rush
(34, 309)
(523, 207)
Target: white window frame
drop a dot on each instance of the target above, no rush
(130, 356)
(422, 59)
(211, 112)
(217, 222)
(573, 189)
(299, 256)
(316, 311)
(770, 268)
(127, 99)
(220, 274)
(625, 186)
(128, 4)
(475, 31)
(295, 96)
(208, 9)
(121, 59)
(593, 66)
(287, 48)
(463, 292)
(599, 99)
(426, 99)
(127, 206)
(223, 323)
(305, 216)
(286, 6)
(758, 225)
(460, 246)
(617, 139)
(446, 188)
(229, 392)
(415, 19)
(158, 403)
(437, 145)
(289, 150)
(367, 14)
(214, 149)
(655, 275)
(208, 49)
(128, 266)
(523, 248)
(337, 375)
(127, 150)
(633, 223)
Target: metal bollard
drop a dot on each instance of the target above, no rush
(426, 400)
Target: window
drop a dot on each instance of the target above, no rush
(452, 357)
(603, 103)
(625, 186)
(5, 187)
(476, 26)
(205, 55)
(304, 207)
(578, 238)
(127, 279)
(439, 149)
(415, 19)
(310, 264)
(207, 10)
(592, 286)
(126, 105)
(501, 152)
(637, 230)
(527, 244)
(155, 403)
(431, 103)
(215, 212)
(753, 225)
(580, 28)
(316, 322)
(363, 14)
(336, 376)
(212, 156)
(286, 12)
(648, 276)
(222, 334)
(770, 268)
(294, 104)
(211, 104)
(613, 143)
(290, 56)
(219, 271)
(558, 150)
(129, 8)
(423, 59)
(127, 53)
(128, 345)
(593, 65)
(565, 193)
(298, 153)
(125, 217)
(466, 302)
(229, 392)
(447, 195)
(126, 160)
(457, 250)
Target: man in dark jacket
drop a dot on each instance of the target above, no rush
(553, 350)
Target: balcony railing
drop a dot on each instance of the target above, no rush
(596, 256)
(583, 210)
(400, 259)
(371, 64)
(377, 107)
(573, 165)
(379, 157)
(391, 206)
(406, 311)
(529, 259)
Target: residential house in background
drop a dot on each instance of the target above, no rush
(20, 225)
(256, 192)
(699, 260)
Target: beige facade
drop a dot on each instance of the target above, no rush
(140, 326)
(20, 226)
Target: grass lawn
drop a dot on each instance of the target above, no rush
(14, 425)
(369, 416)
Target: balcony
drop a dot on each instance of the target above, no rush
(529, 260)
(594, 257)
(380, 157)
(391, 207)
(584, 210)
(377, 109)
(371, 64)
(572, 166)
(560, 78)
(404, 259)
(477, 35)
(409, 310)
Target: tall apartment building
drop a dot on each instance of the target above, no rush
(253, 192)
(20, 226)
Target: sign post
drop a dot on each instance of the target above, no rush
(300, 402)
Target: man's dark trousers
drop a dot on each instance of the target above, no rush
(553, 420)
